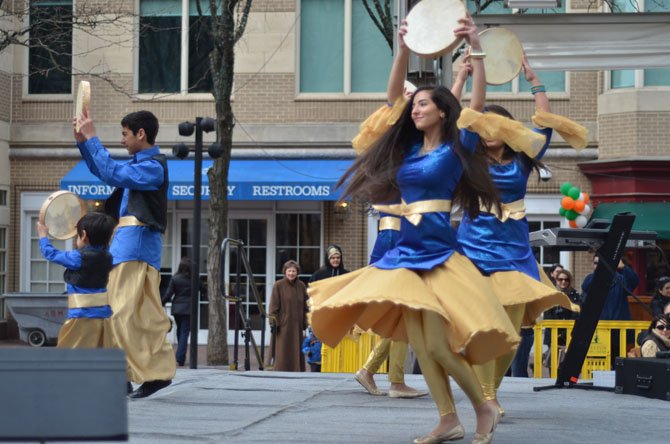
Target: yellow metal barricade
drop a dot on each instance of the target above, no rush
(350, 354)
(599, 354)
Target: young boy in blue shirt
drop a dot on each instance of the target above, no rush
(86, 275)
(311, 347)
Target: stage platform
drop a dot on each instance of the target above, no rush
(212, 405)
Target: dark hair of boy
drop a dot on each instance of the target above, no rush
(99, 228)
(142, 120)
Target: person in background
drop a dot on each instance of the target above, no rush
(658, 336)
(179, 293)
(87, 268)
(661, 295)
(334, 265)
(616, 306)
(311, 348)
(553, 272)
(288, 312)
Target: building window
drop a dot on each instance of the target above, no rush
(186, 250)
(298, 238)
(554, 81)
(161, 54)
(3, 262)
(50, 51)
(341, 49)
(45, 276)
(3, 198)
(545, 256)
(639, 78)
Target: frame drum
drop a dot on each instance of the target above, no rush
(430, 27)
(60, 212)
(83, 99)
(504, 55)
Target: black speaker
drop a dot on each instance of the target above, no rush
(59, 394)
(648, 377)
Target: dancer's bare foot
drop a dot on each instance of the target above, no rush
(402, 390)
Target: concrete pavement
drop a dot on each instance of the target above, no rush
(219, 406)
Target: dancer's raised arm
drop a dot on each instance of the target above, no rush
(398, 72)
(468, 31)
(537, 88)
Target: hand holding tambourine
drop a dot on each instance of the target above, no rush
(59, 215)
(82, 122)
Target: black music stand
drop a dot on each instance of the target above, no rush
(609, 255)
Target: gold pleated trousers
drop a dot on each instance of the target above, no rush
(396, 351)
(85, 333)
(139, 323)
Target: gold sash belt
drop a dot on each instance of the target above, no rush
(413, 212)
(514, 210)
(81, 300)
(389, 223)
(130, 221)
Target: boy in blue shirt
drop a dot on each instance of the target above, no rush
(139, 203)
(86, 275)
(311, 347)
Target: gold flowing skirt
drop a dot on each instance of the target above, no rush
(475, 321)
(515, 287)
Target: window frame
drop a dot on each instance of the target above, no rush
(347, 65)
(639, 73)
(4, 253)
(515, 94)
(49, 97)
(183, 93)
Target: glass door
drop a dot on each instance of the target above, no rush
(185, 236)
(256, 234)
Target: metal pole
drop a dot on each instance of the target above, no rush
(195, 272)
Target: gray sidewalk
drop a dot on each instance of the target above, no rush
(214, 405)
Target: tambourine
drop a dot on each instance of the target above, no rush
(430, 27)
(60, 212)
(504, 55)
(83, 99)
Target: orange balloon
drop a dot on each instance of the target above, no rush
(579, 206)
(586, 198)
(573, 224)
(568, 203)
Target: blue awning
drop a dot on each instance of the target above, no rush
(257, 179)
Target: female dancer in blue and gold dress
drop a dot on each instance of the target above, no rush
(423, 290)
(497, 243)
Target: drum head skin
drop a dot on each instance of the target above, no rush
(430, 27)
(504, 55)
(83, 98)
(60, 212)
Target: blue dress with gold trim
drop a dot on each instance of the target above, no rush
(424, 271)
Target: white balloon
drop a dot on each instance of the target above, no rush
(581, 196)
(581, 221)
(586, 211)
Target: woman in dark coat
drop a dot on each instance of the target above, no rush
(288, 312)
(179, 292)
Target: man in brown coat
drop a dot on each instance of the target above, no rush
(288, 311)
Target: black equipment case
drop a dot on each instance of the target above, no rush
(649, 377)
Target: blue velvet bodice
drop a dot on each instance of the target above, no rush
(493, 245)
(386, 239)
(427, 177)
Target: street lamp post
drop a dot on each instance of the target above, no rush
(181, 151)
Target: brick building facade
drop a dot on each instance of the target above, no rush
(284, 110)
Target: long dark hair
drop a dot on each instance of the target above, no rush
(372, 177)
(662, 281)
(509, 153)
(184, 267)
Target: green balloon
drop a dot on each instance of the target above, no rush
(571, 215)
(565, 187)
(574, 192)
(562, 211)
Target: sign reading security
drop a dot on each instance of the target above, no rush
(248, 180)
